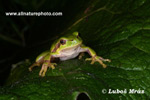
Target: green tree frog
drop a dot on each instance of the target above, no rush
(66, 47)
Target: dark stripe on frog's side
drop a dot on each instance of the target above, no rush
(56, 47)
(58, 44)
(69, 48)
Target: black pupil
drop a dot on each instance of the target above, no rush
(62, 41)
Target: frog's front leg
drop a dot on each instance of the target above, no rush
(47, 63)
(94, 57)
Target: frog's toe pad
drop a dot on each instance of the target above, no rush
(52, 65)
(43, 70)
(30, 69)
(108, 60)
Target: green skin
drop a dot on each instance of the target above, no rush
(65, 48)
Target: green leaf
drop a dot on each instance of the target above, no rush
(118, 30)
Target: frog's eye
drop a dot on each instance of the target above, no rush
(62, 42)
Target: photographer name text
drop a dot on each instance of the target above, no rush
(125, 91)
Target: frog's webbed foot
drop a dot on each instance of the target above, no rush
(98, 59)
(108, 60)
(33, 65)
(52, 65)
(81, 55)
(44, 68)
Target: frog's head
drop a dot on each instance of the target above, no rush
(70, 40)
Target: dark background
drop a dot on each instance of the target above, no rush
(24, 37)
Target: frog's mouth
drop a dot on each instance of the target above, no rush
(71, 48)
(58, 45)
